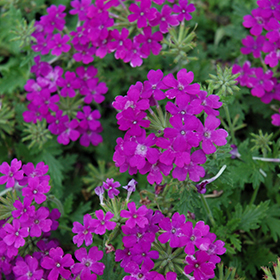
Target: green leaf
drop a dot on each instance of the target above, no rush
(252, 215)
(68, 202)
(79, 213)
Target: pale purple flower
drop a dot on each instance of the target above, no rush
(111, 186)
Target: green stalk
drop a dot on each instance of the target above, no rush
(253, 198)
(231, 128)
(207, 209)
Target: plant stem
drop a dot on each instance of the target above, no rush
(254, 195)
(207, 209)
(231, 128)
(5, 191)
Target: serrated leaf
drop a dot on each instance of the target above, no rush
(235, 241)
(252, 215)
(79, 213)
(68, 202)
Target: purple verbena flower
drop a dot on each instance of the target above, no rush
(56, 263)
(103, 222)
(111, 186)
(12, 173)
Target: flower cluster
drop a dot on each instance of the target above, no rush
(99, 29)
(176, 136)
(29, 222)
(58, 100)
(265, 40)
(146, 232)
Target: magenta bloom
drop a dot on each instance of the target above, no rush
(12, 173)
(56, 262)
(69, 84)
(261, 83)
(150, 41)
(36, 190)
(40, 222)
(210, 135)
(141, 254)
(111, 186)
(59, 45)
(142, 13)
(253, 46)
(84, 233)
(165, 19)
(136, 217)
(24, 210)
(103, 222)
(181, 85)
(28, 269)
(183, 10)
(173, 230)
(199, 265)
(88, 262)
(255, 22)
(70, 132)
(15, 234)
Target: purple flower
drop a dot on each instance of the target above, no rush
(15, 234)
(54, 18)
(136, 217)
(254, 46)
(154, 85)
(173, 230)
(142, 13)
(183, 10)
(183, 134)
(246, 72)
(88, 262)
(84, 233)
(150, 41)
(39, 222)
(111, 186)
(261, 83)
(103, 222)
(24, 210)
(196, 237)
(121, 44)
(193, 169)
(28, 269)
(80, 8)
(12, 173)
(132, 120)
(199, 265)
(255, 22)
(36, 190)
(181, 85)
(100, 191)
(69, 84)
(56, 262)
(140, 150)
(59, 45)
(131, 186)
(84, 53)
(165, 19)
(30, 171)
(70, 133)
(210, 135)
(137, 272)
(141, 254)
